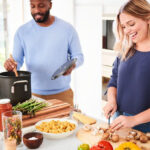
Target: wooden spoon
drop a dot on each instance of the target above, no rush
(14, 70)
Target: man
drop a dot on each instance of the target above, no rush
(46, 42)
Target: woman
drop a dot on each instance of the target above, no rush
(129, 86)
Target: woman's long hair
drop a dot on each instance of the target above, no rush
(136, 8)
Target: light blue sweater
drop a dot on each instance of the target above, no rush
(45, 49)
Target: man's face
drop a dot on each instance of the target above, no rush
(40, 10)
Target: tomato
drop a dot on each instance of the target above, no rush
(96, 147)
(105, 145)
(84, 147)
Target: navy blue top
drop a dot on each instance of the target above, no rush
(132, 80)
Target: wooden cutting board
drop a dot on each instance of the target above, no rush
(56, 109)
(89, 138)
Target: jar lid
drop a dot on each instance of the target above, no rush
(4, 101)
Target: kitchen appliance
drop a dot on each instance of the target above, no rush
(17, 89)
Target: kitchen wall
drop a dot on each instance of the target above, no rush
(85, 16)
(88, 77)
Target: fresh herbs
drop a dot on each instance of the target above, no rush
(30, 107)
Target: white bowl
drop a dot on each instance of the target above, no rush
(57, 135)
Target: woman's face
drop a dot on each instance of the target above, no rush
(135, 28)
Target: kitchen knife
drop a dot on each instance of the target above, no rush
(109, 121)
(109, 116)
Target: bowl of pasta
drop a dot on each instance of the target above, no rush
(56, 128)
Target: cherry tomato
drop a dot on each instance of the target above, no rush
(105, 145)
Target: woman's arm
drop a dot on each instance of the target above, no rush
(111, 106)
(131, 121)
(142, 117)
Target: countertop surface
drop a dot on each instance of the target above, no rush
(69, 143)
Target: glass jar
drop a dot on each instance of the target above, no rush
(4, 106)
(12, 126)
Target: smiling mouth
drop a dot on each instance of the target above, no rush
(133, 35)
(38, 16)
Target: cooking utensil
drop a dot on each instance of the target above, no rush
(109, 116)
(17, 89)
(60, 71)
(14, 70)
(109, 121)
(75, 108)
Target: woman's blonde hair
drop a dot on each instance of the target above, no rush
(136, 8)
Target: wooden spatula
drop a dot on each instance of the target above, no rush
(14, 70)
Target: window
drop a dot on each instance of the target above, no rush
(2, 41)
(10, 20)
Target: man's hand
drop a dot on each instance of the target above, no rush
(10, 64)
(69, 70)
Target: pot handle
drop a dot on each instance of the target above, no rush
(18, 82)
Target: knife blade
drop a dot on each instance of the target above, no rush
(109, 121)
(109, 116)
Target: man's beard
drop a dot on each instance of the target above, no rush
(45, 18)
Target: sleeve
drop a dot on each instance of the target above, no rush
(18, 53)
(75, 48)
(114, 76)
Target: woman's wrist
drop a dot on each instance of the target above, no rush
(136, 120)
(112, 102)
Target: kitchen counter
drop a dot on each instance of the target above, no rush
(68, 143)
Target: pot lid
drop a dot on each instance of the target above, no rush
(62, 69)
(4, 101)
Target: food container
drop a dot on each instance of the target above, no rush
(33, 140)
(12, 126)
(10, 144)
(4, 106)
(17, 89)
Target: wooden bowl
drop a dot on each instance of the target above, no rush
(33, 140)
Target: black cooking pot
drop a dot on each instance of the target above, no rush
(17, 89)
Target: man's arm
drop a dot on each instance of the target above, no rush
(75, 48)
(18, 53)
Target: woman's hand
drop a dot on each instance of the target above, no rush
(111, 106)
(123, 122)
(109, 109)
(10, 64)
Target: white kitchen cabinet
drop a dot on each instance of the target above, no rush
(108, 40)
